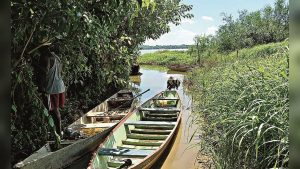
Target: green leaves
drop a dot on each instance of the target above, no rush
(14, 108)
(51, 122)
(254, 28)
(140, 2)
(46, 112)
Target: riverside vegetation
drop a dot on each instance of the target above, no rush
(240, 90)
(242, 107)
(97, 42)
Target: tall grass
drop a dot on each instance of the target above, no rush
(244, 109)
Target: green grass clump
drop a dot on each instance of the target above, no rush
(258, 51)
(244, 109)
(166, 58)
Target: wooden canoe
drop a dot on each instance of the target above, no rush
(142, 136)
(180, 67)
(94, 127)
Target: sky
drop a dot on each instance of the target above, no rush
(207, 18)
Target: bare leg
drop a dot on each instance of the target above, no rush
(57, 120)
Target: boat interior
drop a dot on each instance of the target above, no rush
(105, 115)
(144, 132)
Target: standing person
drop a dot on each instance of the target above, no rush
(170, 83)
(52, 85)
(177, 82)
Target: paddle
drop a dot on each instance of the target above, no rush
(132, 99)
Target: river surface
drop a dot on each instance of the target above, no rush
(183, 153)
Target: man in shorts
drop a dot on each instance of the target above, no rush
(52, 85)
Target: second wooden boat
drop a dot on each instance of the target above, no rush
(180, 67)
(84, 134)
(139, 140)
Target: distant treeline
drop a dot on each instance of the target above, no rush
(147, 47)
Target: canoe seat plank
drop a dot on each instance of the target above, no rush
(160, 118)
(137, 147)
(152, 123)
(160, 109)
(161, 115)
(124, 152)
(147, 137)
(98, 125)
(154, 127)
(148, 131)
(137, 142)
(94, 114)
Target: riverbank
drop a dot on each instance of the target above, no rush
(167, 58)
(242, 107)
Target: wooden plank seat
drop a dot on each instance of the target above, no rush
(148, 131)
(98, 125)
(152, 123)
(160, 109)
(154, 127)
(137, 142)
(137, 147)
(95, 114)
(147, 136)
(161, 115)
(124, 152)
(160, 118)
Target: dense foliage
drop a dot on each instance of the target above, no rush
(243, 106)
(97, 42)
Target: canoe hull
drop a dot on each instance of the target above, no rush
(179, 68)
(115, 147)
(64, 157)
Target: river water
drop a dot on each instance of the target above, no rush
(183, 153)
